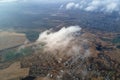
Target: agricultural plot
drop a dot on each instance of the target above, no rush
(11, 39)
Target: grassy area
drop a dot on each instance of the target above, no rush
(118, 46)
(105, 39)
(14, 54)
(116, 40)
(32, 35)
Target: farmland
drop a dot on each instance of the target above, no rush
(11, 39)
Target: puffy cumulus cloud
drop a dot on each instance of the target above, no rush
(66, 41)
(95, 5)
(72, 5)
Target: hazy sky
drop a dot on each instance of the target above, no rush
(87, 5)
(50, 1)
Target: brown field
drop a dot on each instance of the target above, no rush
(11, 39)
(13, 72)
(43, 78)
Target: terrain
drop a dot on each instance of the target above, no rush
(103, 62)
(11, 39)
(14, 71)
(44, 42)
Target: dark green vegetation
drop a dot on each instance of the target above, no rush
(118, 46)
(32, 35)
(105, 39)
(116, 40)
(14, 54)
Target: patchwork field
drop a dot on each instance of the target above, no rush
(13, 72)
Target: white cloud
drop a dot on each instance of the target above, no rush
(64, 42)
(58, 39)
(70, 5)
(90, 8)
(95, 5)
(111, 7)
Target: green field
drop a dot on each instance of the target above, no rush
(116, 40)
(14, 54)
